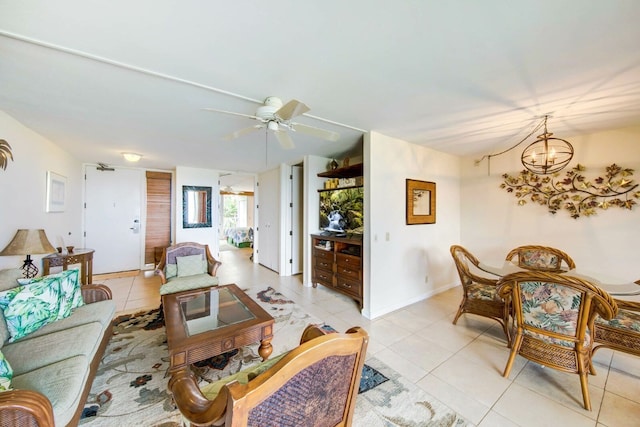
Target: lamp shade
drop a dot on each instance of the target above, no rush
(28, 242)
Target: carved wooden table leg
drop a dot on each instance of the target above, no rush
(265, 349)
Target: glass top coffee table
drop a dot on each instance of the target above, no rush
(207, 322)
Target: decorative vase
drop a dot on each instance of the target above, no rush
(333, 165)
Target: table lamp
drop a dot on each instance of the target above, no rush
(28, 242)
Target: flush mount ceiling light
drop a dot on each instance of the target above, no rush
(132, 157)
(546, 154)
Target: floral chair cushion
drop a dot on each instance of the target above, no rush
(538, 259)
(551, 307)
(625, 319)
(482, 292)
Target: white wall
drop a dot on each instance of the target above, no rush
(311, 222)
(604, 245)
(203, 178)
(23, 190)
(414, 261)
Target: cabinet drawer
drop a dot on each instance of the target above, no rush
(349, 272)
(319, 253)
(323, 264)
(353, 287)
(349, 260)
(325, 278)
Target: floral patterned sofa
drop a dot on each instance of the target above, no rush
(53, 332)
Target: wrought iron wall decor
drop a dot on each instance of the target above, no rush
(575, 192)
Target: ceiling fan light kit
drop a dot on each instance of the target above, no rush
(276, 117)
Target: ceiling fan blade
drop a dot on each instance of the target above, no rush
(241, 132)
(249, 116)
(284, 139)
(291, 109)
(313, 131)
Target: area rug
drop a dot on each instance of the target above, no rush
(130, 388)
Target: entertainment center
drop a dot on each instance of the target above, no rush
(337, 249)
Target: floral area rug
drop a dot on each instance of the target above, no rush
(130, 388)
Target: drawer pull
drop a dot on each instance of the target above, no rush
(344, 270)
(344, 285)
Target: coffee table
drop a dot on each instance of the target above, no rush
(207, 322)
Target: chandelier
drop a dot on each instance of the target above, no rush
(546, 154)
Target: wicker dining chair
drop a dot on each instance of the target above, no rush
(553, 315)
(479, 293)
(622, 333)
(541, 258)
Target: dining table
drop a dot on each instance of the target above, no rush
(622, 289)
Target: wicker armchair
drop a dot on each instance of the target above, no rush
(622, 333)
(541, 258)
(315, 384)
(479, 293)
(173, 280)
(553, 316)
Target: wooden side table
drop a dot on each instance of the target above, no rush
(84, 257)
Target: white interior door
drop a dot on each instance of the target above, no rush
(113, 223)
(296, 219)
(269, 220)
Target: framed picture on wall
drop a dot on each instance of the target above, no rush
(55, 192)
(421, 202)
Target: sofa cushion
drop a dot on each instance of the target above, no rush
(100, 311)
(6, 373)
(28, 308)
(190, 265)
(9, 278)
(179, 284)
(62, 383)
(54, 347)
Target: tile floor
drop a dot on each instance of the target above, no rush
(460, 365)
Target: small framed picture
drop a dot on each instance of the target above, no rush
(55, 192)
(421, 202)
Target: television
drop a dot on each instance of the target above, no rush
(341, 210)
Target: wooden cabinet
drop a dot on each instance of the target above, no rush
(337, 264)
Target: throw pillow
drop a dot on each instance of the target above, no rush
(190, 265)
(70, 292)
(170, 271)
(30, 307)
(6, 373)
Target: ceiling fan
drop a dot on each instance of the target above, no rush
(276, 117)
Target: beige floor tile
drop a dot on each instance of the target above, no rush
(455, 337)
(387, 332)
(409, 370)
(624, 377)
(493, 419)
(563, 387)
(492, 354)
(485, 386)
(470, 408)
(617, 411)
(423, 352)
(409, 320)
(530, 409)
